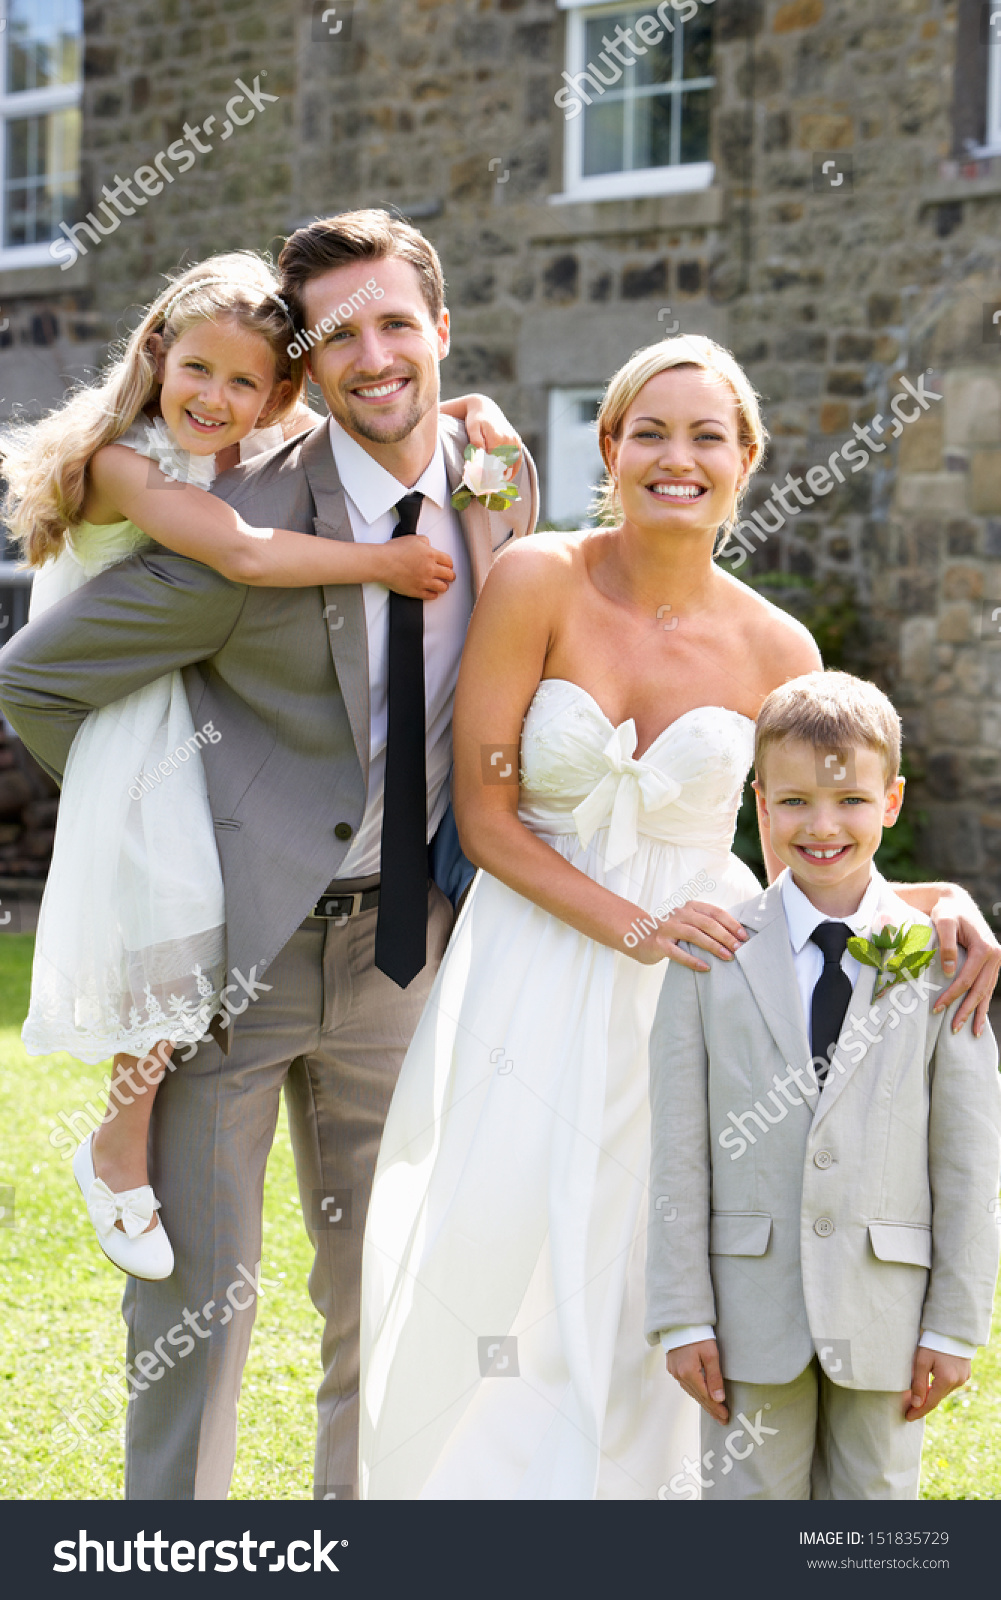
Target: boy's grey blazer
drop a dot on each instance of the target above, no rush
(281, 673)
(843, 1230)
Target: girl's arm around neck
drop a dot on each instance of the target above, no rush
(194, 523)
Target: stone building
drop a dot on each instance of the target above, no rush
(813, 182)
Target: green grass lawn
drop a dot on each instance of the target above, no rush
(63, 1333)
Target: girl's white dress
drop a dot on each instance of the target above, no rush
(503, 1354)
(131, 944)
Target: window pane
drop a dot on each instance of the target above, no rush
(628, 127)
(42, 178)
(698, 44)
(603, 138)
(657, 66)
(652, 131)
(43, 43)
(695, 125)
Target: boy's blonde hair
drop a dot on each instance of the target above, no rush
(831, 711)
(687, 350)
(45, 463)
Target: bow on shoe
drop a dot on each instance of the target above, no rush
(627, 786)
(134, 1208)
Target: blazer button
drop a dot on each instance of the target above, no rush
(823, 1227)
(343, 830)
(823, 1158)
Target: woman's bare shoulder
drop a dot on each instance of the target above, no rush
(551, 559)
(784, 647)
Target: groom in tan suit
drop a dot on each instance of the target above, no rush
(330, 793)
(823, 1240)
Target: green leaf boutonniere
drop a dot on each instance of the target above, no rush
(898, 954)
(485, 478)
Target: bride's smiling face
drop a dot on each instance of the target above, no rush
(678, 461)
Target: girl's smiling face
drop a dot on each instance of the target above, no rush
(678, 459)
(217, 381)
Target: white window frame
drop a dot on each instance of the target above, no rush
(992, 137)
(679, 179)
(562, 400)
(26, 103)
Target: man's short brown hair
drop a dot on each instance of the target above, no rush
(367, 235)
(831, 711)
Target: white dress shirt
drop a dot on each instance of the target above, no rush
(372, 493)
(802, 917)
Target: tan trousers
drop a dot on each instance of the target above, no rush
(333, 1031)
(810, 1440)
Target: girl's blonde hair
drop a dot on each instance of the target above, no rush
(688, 350)
(45, 462)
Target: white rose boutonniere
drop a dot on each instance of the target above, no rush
(485, 478)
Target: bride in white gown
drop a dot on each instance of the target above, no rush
(502, 1339)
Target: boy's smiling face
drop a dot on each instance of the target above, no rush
(827, 832)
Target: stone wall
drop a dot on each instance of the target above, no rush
(829, 293)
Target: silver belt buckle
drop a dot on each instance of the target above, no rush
(333, 907)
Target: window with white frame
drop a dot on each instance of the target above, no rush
(992, 136)
(574, 467)
(637, 92)
(40, 50)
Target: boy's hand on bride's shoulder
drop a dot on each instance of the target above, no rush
(709, 927)
(697, 1369)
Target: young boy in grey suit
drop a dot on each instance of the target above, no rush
(823, 1242)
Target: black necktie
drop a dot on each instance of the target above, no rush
(832, 994)
(401, 928)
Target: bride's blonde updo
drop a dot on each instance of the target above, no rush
(687, 350)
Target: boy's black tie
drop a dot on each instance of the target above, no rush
(401, 929)
(832, 994)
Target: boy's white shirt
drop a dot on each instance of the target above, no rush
(802, 917)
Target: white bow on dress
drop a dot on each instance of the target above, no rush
(616, 800)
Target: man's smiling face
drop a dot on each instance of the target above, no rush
(377, 371)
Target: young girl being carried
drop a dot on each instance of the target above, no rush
(130, 951)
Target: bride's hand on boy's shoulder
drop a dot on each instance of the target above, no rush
(707, 926)
(958, 922)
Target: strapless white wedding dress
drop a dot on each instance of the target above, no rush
(503, 1354)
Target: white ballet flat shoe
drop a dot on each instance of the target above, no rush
(140, 1254)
